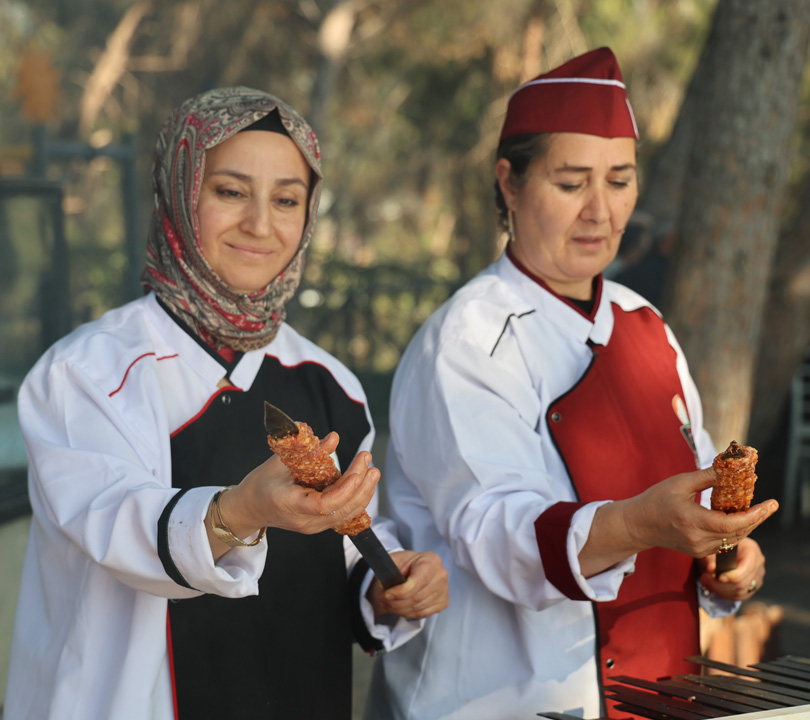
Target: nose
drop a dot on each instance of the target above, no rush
(257, 219)
(596, 208)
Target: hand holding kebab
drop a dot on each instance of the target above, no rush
(312, 467)
(299, 449)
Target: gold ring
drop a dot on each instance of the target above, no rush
(752, 586)
(725, 546)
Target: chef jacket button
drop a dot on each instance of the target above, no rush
(610, 663)
(226, 399)
(556, 417)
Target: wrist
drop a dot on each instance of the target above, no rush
(631, 517)
(226, 523)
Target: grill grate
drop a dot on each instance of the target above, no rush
(779, 684)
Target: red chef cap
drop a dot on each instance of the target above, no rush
(585, 95)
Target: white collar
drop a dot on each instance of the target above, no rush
(171, 339)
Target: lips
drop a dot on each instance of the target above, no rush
(589, 240)
(251, 251)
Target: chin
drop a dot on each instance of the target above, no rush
(247, 285)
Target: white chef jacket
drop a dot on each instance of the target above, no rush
(89, 638)
(470, 467)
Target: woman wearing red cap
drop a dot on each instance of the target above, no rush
(545, 435)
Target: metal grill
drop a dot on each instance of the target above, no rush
(764, 688)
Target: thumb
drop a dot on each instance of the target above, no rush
(330, 442)
(701, 479)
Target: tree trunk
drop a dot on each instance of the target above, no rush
(745, 111)
(110, 66)
(334, 41)
(786, 329)
(662, 193)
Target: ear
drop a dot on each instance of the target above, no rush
(503, 171)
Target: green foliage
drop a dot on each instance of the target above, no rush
(24, 254)
(411, 113)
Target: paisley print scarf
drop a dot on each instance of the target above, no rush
(175, 267)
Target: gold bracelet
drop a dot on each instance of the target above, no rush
(222, 531)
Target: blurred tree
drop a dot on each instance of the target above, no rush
(38, 85)
(785, 330)
(746, 98)
(409, 98)
(110, 66)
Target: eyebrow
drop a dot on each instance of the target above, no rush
(577, 169)
(249, 178)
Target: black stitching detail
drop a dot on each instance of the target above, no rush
(506, 325)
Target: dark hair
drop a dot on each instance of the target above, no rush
(270, 123)
(520, 151)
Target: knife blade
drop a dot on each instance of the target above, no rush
(278, 425)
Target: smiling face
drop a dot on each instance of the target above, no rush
(252, 207)
(571, 207)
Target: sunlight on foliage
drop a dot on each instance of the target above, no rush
(409, 105)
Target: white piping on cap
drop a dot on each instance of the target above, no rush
(632, 117)
(548, 81)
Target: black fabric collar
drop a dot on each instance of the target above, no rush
(585, 305)
(228, 366)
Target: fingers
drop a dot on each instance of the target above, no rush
(754, 516)
(350, 495)
(279, 502)
(735, 586)
(689, 528)
(724, 529)
(425, 591)
(743, 581)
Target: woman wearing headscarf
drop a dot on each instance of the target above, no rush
(173, 570)
(545, 435)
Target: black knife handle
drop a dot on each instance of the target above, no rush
(725, 561)
(377, 558)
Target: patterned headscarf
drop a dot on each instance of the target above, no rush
(175, 267)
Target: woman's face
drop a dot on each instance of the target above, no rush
(571, 209)
(252, 207)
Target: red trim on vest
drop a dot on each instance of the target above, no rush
(302, 363)
(551, 530)
(171, 662)
(225, 388)
(618, 433)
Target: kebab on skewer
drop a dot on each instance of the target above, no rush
(311, 466)
(733, 491)
(735, 478)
